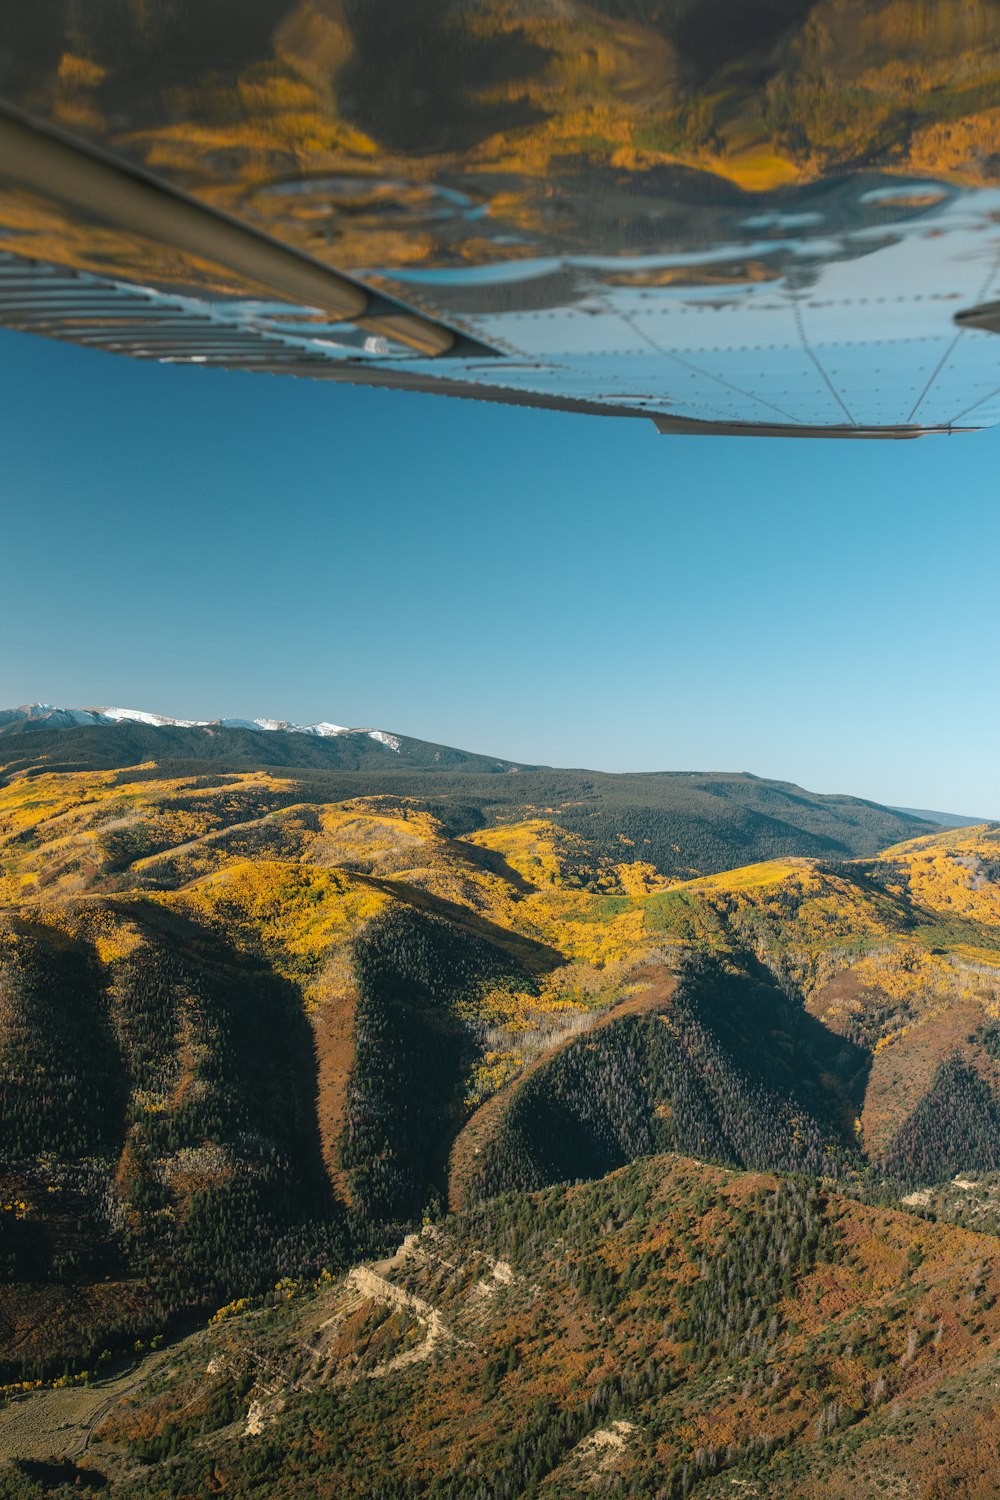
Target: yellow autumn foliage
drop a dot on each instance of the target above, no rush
(536, 849)
(295, 882)
(950, 873)
(297, 913)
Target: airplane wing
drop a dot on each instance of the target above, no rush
(657, 211)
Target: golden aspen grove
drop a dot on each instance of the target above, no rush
(695, 1169)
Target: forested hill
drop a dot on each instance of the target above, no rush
(89, 747)
(681, 823)
(251, 1035)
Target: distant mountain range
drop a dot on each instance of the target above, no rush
(225, 738)
(946, 820)
(682, 823)
(48, 716)
(272, 999)
(257, 1025)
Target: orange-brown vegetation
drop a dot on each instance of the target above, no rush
(715, 1322)
(265, 1021)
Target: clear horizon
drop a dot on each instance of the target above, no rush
(485, 750)
(561, 590)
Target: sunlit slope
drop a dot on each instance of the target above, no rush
(246, 1028)
(955, 874)
(643, 1334)
(683, 824)
(239, 1034)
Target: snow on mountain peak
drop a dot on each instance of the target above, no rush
(139, 716)
(389, 740)
(68, 717)
(326, 730)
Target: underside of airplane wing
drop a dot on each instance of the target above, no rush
(674, 231)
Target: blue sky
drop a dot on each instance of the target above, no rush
(560, 589)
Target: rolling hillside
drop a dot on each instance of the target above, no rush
(256, 1025)
(683, 823)
(672, 1329)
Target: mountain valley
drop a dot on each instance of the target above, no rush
(681, 1093)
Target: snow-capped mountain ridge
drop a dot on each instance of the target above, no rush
(57, 717)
